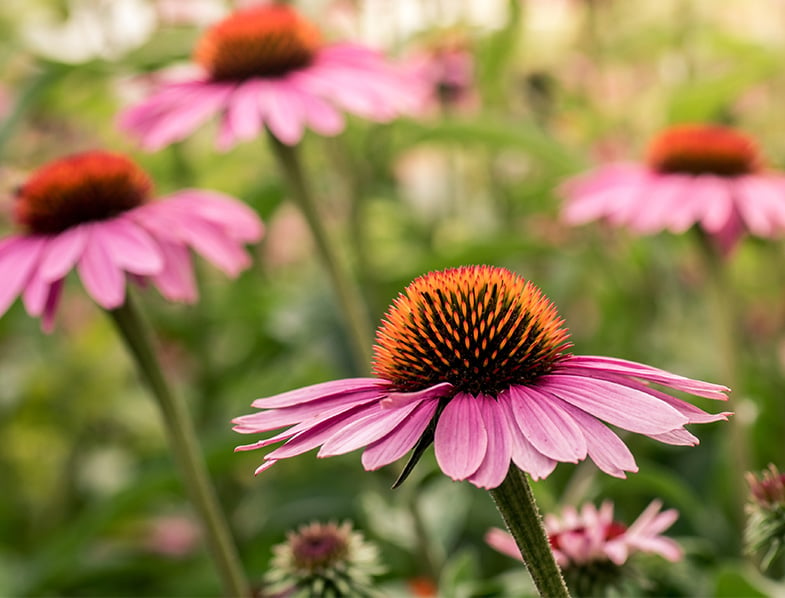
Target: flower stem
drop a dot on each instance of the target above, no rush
(182, 438)
(725, 321)
(348, 295)
(517, 506)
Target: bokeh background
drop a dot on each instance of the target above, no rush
(90, 502)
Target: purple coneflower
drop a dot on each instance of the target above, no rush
(94, 211)
(581, 537)
(592, 548)
(474, 360)
(705, 175)
(267, 66)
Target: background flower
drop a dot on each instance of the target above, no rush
(266, 66)
(94, 212)
(704, 175)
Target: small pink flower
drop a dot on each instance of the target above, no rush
(704, 175)
(266, 66)
(93, 212)
(472, 359)
(589, 536)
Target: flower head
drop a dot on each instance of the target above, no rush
(95, 211)
(324, 560)
(765, 531)
(473, 360)
(592, 548)
(705, 175)
(266, 65)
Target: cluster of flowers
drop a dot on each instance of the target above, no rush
(474, 360)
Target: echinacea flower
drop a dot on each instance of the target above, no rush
(591, 547)
(95, 212)
(324, 559)
(695, 175)
(764, 533)
(473, 360)
(266, 66)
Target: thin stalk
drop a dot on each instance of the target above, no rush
(182, 439)
(349, 298)
(725, 322)
(517, 506)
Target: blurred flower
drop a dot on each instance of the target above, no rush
(704, 175)
(472, 359)
(592, 548)
(94, 211)
(765, 531)
(267, 66)
(105, 29)
(173, 536)
(324, 560)
(448, 68)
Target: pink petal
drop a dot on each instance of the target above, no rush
(322, 390)
(213, 244)
(523, 454)
(397, 399)
(238, 220)
(283, 111)
(366, 431)
(101, 276)
(678, 437)
(319, 433)
(176, 280)
(243, 117)
(503, 542)
(401, 440)
(547, 427)
(129, 246)
(50, 308)
(618, 405)
(604, 447)
(461, 440)
(714, 202)
(496, 463)
(761, 203)
(63, 252)
(321, 116)
(18, 259)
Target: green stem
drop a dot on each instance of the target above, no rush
(182, 438)
(725, 322)
(349, 298)
(517, 506)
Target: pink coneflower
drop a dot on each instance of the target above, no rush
(581, 537)
(94, 211)
(267, 66)
(705, 175)
(473, 359)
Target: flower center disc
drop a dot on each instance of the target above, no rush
(80, 188)
(480, 328)
(703, 149)
(263, 41)
(318, 547)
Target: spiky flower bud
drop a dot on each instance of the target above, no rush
(324, 560)
(764, 535)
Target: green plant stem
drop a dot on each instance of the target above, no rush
(182, 438)
(349, 298)
(517, 506)
(725, 322)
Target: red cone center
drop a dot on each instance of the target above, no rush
(262, 41)
(703, 149)
(80, 188)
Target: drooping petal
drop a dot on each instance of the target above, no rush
(176, 279)
(523, 454)
(129, 246)
(283, 111)
(496, 463)
(322, 390)
(50, 308)
(549, 429)
(18, 259)
(101, 276)
(63, 252)
(461, 440)
(400, 440)
(366, 431)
